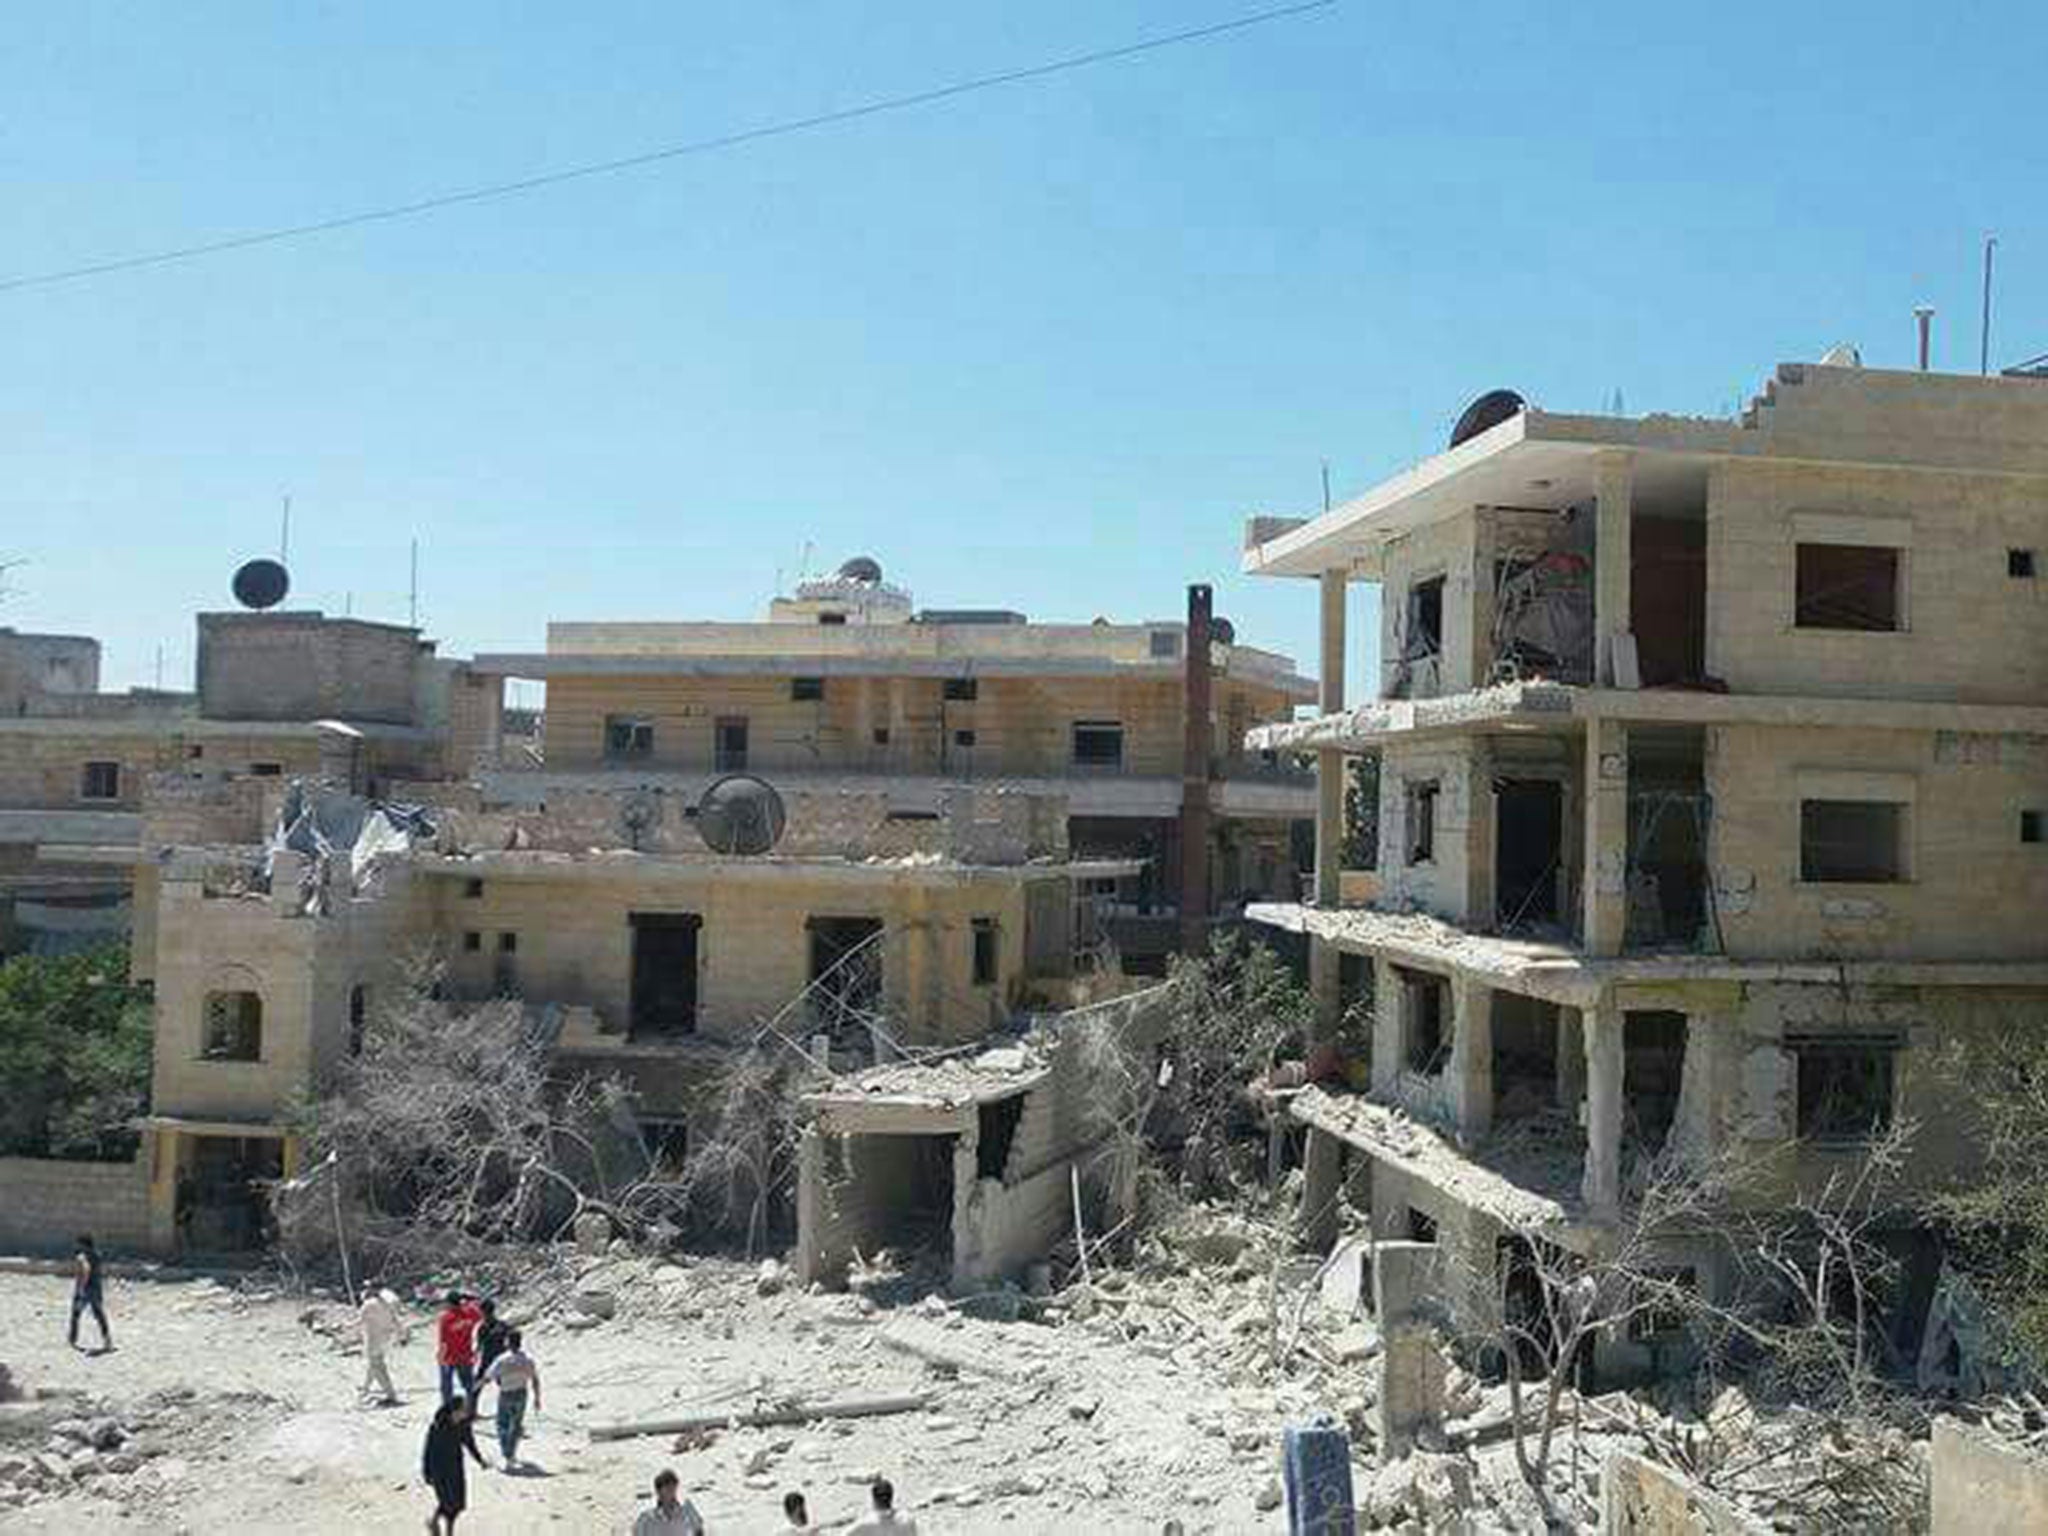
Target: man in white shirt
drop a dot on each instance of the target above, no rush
(670, 1516)
(884, 1521)
(383, 1325)
(515, 1376)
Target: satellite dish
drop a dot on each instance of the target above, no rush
(1222, 631)
(261, 584)
(862, 568)
(740, 814)
(1489, 410)
(1843, 356)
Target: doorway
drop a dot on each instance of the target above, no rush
(664, 998)
(1529, 839)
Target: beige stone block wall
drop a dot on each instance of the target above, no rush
(49, 1202)
(1975, 891)
(1972, 634)
(1983, 1487)
(1450, 549)
(1463, 842)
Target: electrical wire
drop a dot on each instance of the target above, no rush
(711, 145)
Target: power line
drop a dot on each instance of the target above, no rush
(655, 156)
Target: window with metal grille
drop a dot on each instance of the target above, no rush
(962, 690)
(627, 737)
(100, 781)
(1846, 586)
(1098, 744)
(806, 690)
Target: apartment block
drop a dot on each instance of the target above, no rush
(1713, 797)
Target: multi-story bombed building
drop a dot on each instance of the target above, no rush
(1713, 794)
(847, 685)
(278, 694)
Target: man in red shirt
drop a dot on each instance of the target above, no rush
(457, 1351)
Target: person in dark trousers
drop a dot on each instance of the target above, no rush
(456, 1351)
(451, 1436)
(88, 1291)
(184, 1205)
(491, 1335)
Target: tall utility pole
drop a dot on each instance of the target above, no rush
(413, 601)
(1984, 342)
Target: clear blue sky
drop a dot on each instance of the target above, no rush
(1041, 347)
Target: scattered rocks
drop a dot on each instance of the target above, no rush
(1269, 1495)
(597, 1304)
(1083, 1409)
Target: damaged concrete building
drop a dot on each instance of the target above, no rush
(1713, 798)
(847, 685)
(279, 693)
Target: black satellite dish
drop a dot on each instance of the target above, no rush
(1222, 631)
(1489, 410)
(261, 584)
(740, 814)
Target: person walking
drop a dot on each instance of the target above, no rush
(516, 1377)
(490, 1337)
(796, 1516)
(456, 1347)
(383, 1326)
(184, 1205)
(670, 1516)
(88, 1291)
(884, 1521)
(449, 1438)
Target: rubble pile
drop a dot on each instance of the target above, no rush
(132, 1455)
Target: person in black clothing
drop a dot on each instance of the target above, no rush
(88, 1291)
(450, 1435)
(491, 1336)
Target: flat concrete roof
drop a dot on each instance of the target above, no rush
(913, 870)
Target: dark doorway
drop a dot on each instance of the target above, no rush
(1653, 1070)
(231, 1207)
(664, 972)
(846, 973)
(1668, 598)
(1529, 842)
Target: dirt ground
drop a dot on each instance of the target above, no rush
(1048, 1428)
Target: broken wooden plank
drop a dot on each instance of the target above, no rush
(935, 1348)
(794, 1412)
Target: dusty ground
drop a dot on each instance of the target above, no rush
(1087, 1430)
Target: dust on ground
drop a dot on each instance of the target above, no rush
(232, 1407)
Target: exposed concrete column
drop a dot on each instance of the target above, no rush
(1389, 1025)
(863, 720)
(1330, 764)
(1322, 1165)
(810, 1206)
(1605, 920)
(1604, 1067)
(1471, 1065)
(1406, 1280)
(1485, 544)
(1613, 496)
(899, 725)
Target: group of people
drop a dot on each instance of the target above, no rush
(673, 1515)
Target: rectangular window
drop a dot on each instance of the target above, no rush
(1098, 744)
(962, 690)
(1845, 1084)
(1852, 842)
(881, 735)
(1425, 618)
(1422, 821)
(806, 690)
(266, 770)
(1422, 997)
(472, 889)
(1165, 644)
(985, 951)
(628, 738)
(1421, 1226)
(508, 943)
(2019, 563)
(233, 1027)
(2034, 826)
(963, 738)
(1663, 1310)
(100, 781)
(729, 749)
(472, 941)
(831, 618)
(1846, 586)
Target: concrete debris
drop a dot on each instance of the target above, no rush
(770, 1278)
(593, 1233)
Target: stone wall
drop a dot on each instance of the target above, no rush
(1983, 1487)
(1640, 1498)
(306, 666)
(48, 1202)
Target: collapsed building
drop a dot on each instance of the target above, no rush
(1713, 803)
(278, 693)
(848, 686)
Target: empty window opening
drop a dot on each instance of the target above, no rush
(1525, 1052)
(472, 941)
(1845, 1084)
(1421, 1226)
(472, 890)
(664, 986)
(806, 690)
(508, 943)
(1846, 586)
(729, 744)
(628, 737)
(1669, 813)
(1425, 635)
(1852, 841)
(99, 781)
(963, 738)
(846, 976)
(997, 1135)
(2019, 563)
(914, 1217)
(1355, 991)
(358, 1017)
(266, 770)
(831, 618)
(881, 735)
(1529, 844)
(962, 690)
(1525, 1299)
(1421, 803)
(1652, 1072)
(233, 1027)
(986, 951)
(1165, 644)
(2034, 826)
(1662, 1311)
(1424, 1039)
(1098, 744)
(666, 1141)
